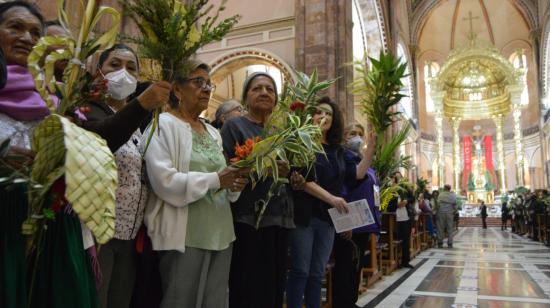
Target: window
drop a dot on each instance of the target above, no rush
(431, 69)
(406, 102)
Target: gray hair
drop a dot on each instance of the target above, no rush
(224, 108)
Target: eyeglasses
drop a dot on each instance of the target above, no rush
(237, 108)
(202, 83)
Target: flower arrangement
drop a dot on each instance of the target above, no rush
(67, 155)
(291, 137)
(170, 35)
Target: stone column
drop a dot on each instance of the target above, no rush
(456, 153)
(518, 145)
(500, 153)
(324, 42)
(440, 145)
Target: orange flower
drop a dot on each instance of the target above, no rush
(242, 151)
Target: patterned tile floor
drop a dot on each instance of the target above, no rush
(486, 268)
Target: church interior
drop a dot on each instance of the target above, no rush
(476, 94)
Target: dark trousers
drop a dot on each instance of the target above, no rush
(117, 259)
(147, 289)
(504, 222)
(349, 259)
(404, 234)
(258, 267)
(484, 220)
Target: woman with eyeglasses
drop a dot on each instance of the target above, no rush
(227, 110)
(188, 214)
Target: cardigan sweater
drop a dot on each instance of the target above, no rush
(173, 186)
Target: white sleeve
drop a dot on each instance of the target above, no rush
(176, 188)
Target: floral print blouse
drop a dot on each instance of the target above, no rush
(132, 192)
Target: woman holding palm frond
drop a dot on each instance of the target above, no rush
(117, 119)
(258, 266)
(311, 241)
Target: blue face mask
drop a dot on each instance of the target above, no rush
(355, 144)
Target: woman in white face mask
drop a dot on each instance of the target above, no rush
(117, 119)
(350, 246)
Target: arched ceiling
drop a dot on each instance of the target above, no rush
(444, 25)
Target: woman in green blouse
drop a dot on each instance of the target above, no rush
(188, 215)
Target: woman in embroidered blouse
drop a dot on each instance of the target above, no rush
(188, 215)
(117, 120)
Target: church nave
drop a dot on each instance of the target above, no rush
(486, 268)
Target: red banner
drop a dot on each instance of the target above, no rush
(467, 160)
(488, 144)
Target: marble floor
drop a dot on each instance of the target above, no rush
(486, 268)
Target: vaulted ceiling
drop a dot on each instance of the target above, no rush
(447, 25)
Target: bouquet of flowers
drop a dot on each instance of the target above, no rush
(65, 152)
(291, 137)
(170, 35)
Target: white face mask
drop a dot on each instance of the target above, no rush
(355, 144)
(121, 84)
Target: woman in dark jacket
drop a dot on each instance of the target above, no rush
(311, 241)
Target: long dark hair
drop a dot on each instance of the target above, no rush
(335, 134)
(107, 52)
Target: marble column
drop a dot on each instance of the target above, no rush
(500, 153)
(518, 145)
(440, 145)
(456, 153)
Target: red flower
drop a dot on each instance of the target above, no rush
(56, 206)
(85, 109)
(297, 105)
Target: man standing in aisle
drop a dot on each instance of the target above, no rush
(483, 209)
(445, 216)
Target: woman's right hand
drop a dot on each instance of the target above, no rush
(155, 96)
(232, 178)
(339, 203)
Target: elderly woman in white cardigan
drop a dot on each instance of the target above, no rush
(188, 216)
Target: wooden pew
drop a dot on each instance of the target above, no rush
(373, 272)
(389, 245)
(416, 246)
(425, 238)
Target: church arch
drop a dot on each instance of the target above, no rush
(230, 69)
